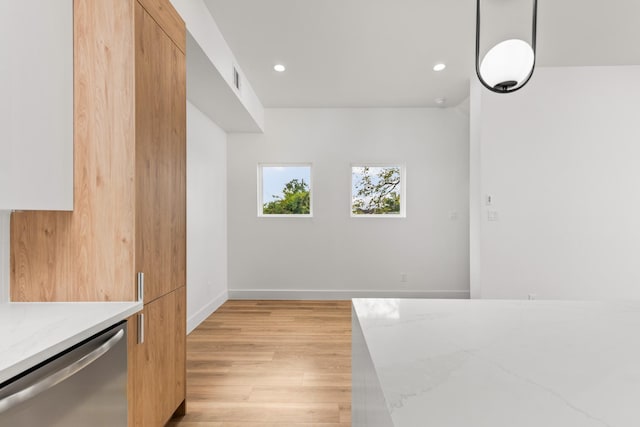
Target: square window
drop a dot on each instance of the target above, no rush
(284, 190)
(377, 191)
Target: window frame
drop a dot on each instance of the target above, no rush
(260, 203)
(403, 189)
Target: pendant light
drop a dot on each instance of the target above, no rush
(508, 65)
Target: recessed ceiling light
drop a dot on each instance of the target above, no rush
(440, 101)
(279, 68)
(439, 67)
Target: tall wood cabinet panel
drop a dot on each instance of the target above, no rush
(160, 159)
(129, 194)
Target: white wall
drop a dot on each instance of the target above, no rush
(4, 255)
(475, 212)
(561, 159)
(332, 255)
(206, 217)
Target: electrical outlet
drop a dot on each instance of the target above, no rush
(404, 277)
(531, 297)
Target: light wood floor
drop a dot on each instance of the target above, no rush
(270, 363)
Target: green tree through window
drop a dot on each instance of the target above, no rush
(294, 200)
(376, 190)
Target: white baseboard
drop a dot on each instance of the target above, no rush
(304, 294)
(194, 320)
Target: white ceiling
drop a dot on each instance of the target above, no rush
(380, 53)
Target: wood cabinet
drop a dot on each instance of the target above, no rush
(89, 254)
(36, 109)
(129, 211)
(160, 160)
(158, 362)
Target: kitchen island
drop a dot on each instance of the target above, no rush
(32, 332)
(485, 363)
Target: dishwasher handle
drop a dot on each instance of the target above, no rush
(60, 375)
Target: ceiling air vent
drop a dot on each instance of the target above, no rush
(236, 78)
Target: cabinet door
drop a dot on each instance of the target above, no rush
(160, 158)
(36, 105)
(158, 363)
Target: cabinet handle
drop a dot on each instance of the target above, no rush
(140, 328)
(140, 286)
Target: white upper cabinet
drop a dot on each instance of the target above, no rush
(36, 105)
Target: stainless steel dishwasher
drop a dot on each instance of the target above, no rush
(83, 386)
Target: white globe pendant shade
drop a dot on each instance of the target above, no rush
(507, 65)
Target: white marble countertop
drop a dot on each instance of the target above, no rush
(31, 333)
(485, 363)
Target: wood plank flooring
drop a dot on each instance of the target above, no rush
(270, 363)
